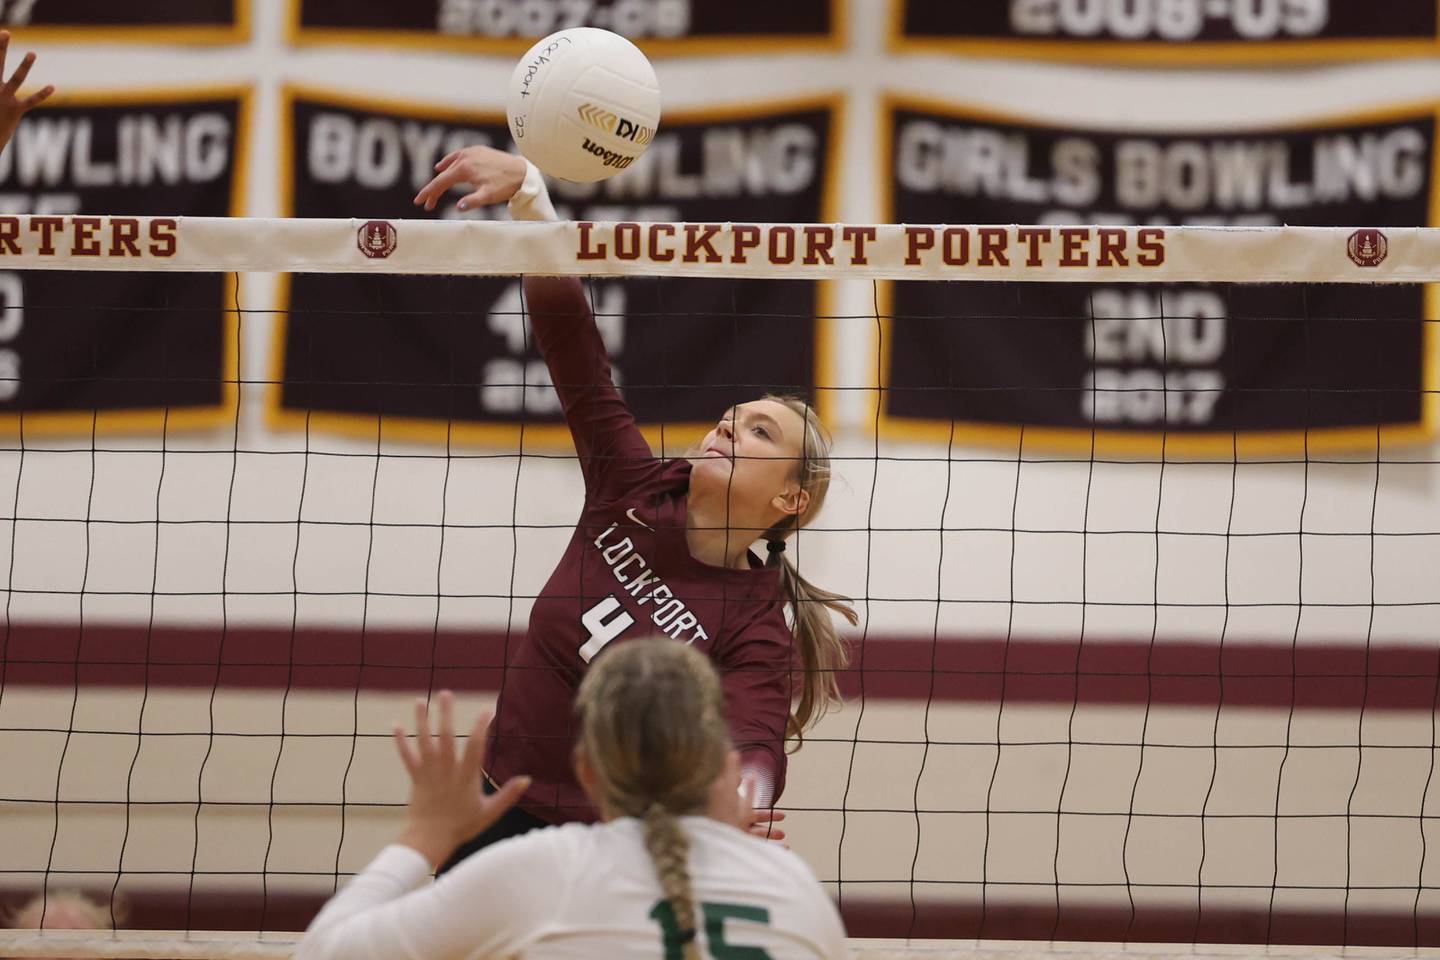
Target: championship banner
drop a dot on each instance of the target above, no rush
(1166, 32)
(451, 356)
(660, 27)
(133, 21)
(1186, 367)
(144, 349)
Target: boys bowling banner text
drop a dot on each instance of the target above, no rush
(428, 352)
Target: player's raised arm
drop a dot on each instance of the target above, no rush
(604, 430)
(12, 106)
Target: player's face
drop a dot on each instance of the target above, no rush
(756, 451)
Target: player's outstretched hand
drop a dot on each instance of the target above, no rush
(447, 805)
(12, 107)
(760, 822)
(493, 176)
(763, 823)
(732, 801)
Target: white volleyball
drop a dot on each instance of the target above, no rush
(583, 104)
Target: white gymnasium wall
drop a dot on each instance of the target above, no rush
(903, 499)
(982, 494)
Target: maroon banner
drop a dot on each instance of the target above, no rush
(155, 349)
(1186, 368)
(437, 355)
(658, 26)
(138, 21)
(1166, 31)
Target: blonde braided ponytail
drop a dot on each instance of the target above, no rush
(670, 850)
(652, 725)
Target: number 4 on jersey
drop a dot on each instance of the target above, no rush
(603, 630)
(715, 916)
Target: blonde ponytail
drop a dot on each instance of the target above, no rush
(818, 645)
(652, 725)
(821, 650)
(670, 852)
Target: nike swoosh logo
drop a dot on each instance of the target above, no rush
(631, 514)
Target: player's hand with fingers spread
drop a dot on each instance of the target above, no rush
(12, 107)
(447, 805)
(492, 175)
(757, 821)
(732, 801)
(763, 823)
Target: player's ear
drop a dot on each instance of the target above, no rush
(793, 501)
(589, 778)
(726, 786)
(731, 775)
(584, 771)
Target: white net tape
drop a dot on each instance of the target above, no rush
(728, 250)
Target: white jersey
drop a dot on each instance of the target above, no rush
(580, 891)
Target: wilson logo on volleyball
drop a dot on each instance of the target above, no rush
(613, 123)
(608, 157)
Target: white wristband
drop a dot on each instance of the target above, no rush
(532, 200)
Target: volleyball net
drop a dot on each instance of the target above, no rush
(1142, 523)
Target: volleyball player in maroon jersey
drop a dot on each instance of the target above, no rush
(661, 547)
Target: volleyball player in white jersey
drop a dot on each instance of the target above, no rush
(668, 873)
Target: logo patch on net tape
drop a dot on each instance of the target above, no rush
(1367, 247)
(377, 239)
(613, 123)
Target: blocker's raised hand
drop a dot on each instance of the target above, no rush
(493, 176)
(12, 107)
(447, 805)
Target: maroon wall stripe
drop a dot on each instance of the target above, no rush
(954, 669)
(932, 919)
(245, 909)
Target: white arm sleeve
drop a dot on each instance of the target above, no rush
(836, 946)
(492, 904)
(532, 200)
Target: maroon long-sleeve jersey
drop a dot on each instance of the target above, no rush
(627, 572)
